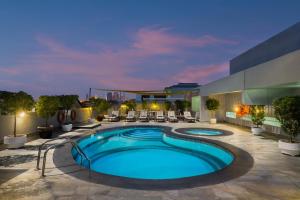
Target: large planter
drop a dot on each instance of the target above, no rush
(288, 148)
(67, 127)
(213, 120)
(15, 142)
(256, 130)
(45, 132)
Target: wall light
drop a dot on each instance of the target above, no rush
(22, 114)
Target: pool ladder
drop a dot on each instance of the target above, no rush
(67, 140)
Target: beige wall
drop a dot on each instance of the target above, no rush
(30, 121)
(272, 74)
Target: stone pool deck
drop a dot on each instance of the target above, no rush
(273, 175)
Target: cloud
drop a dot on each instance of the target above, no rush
(9, 70)
(59, 67)
(160, 41)
(202, 74)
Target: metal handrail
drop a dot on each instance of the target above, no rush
(41, 146)
(62, 143)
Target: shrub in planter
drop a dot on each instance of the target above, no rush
(14, 103)
(167, 105)
(100, 106)
(212, 105)
(257, 114)
(46, 107)
(287, 111)
(66, 103)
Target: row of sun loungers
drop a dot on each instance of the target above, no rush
(143, 117)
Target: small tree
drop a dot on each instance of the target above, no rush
(287, 111)
(66, 102)
(100, 105)
(257, 113)
(46, 107)
(12, 103)
(186, 105)
(179, 105)
(212, 105)
(167, 105)
(144, 105)
(131, 104)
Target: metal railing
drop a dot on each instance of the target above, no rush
(68, 140)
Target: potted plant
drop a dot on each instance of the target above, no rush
(66, 103)
(167, 105)
(100, 106)
(257, 113)
(16, 103)
(287, 111)
(212, 105)
(46, 107)
(186, 105)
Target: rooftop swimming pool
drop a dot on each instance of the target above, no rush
(150, 153)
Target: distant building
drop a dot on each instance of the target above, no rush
(116, 96)
(109, 96)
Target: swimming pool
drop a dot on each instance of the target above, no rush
(150, 153)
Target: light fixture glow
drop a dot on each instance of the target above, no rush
(22, 114)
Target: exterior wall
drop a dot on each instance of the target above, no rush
(285, 42)
(30, 121)
(280, 71)
(228, 84)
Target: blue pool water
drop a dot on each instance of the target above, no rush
(148, 153)
(204, 132)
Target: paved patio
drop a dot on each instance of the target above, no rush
(273, 175)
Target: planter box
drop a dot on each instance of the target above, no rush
(67, 127)
(288, 148)
(256, 130)
(213, 120)
(15, 142)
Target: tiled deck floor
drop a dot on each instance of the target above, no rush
(273, 176)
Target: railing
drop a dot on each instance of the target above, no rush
(68, 140)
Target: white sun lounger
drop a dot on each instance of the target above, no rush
(160, 116)
(144, 116)
(172, 117)
(188, 117)
(114, 117)
(130, 116)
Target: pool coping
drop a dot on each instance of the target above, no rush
(241, 164)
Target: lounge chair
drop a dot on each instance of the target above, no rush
(172, 117)
(160, 116)
(144, 116)
(130, 116)
(114, 117)
(188, 117)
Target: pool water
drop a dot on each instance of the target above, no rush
(149, 153)
(203, 132)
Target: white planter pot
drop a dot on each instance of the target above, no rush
(292, 149)
(213, 120)
(256, 130)
(67, 127)
(15, 142)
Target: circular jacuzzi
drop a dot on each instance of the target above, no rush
(150, 153)
(203, 131)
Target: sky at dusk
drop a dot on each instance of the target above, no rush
(68, 46)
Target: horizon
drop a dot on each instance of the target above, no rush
(52, 47)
